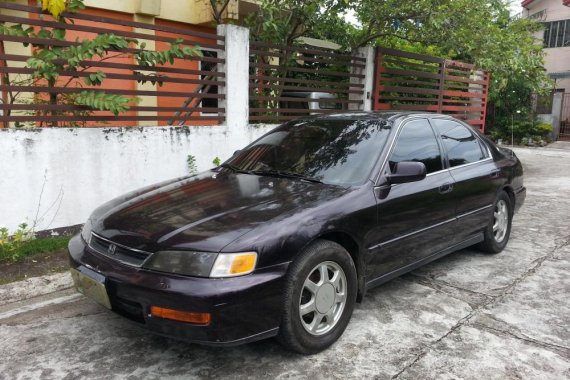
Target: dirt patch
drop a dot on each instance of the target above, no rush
(35, 265)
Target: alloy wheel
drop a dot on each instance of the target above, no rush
(323, 298)
(501, 220)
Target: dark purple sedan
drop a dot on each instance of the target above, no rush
(284, 237)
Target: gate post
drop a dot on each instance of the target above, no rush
(557, 100)
(236, 68)
(365, 96)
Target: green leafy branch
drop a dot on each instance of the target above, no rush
(49, 61)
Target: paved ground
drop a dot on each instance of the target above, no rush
(469, 315)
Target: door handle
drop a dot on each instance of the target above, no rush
(495, 174)
(446, 188)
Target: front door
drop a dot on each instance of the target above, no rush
(416, 219)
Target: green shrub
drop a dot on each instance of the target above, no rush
(544, 129)
(10, 245)
(524, 130)
(23, 243)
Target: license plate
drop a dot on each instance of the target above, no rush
(91, 285)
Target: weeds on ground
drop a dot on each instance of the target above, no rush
(23, 242)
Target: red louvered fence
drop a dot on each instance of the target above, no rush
(183, 92)
(410, 81)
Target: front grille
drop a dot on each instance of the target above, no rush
(126, 255)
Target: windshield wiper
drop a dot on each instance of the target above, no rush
(235, 169)
(285, 174)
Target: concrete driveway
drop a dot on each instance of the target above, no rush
(469, 315)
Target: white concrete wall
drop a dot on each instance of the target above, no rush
(81, 168)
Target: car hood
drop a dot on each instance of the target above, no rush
(204, 212)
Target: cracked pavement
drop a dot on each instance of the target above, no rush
(468, 315)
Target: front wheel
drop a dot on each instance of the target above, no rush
(320, 297)
(497, 233)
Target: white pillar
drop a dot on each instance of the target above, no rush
(557, 100)
(236, 67)
(366, 52)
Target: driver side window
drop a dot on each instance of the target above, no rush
(417, 142)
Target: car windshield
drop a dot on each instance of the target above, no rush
(340, 152)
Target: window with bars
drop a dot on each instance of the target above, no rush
(557, 34)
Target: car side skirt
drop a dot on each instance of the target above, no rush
(410, 267)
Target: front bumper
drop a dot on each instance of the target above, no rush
(243, 309)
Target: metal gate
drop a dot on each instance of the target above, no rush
(410, 81)
(565, 118)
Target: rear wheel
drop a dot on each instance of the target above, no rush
(498, 231)
(320, 298)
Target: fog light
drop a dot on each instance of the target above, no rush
(181, 316)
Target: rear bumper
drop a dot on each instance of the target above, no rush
(242, 309)
(520, 196)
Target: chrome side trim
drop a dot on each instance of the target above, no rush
(474, 211)
(412, 233)
(398, 272)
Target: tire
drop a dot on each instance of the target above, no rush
(497, 236)
(326, 315)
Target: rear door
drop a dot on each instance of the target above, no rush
(475, 173)
(416, 219)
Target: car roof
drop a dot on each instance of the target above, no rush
(371, 115)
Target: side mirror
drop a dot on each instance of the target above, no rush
(407, 171)
(236, 152)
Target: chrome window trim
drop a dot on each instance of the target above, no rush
(393, 142)
(471, 163)
(470, 129)
(437, 172)
(430, 117)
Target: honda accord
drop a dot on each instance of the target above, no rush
(288, 234)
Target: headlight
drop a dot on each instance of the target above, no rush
(202, 264)
(86, 231)
(182, 262)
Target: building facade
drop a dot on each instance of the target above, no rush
(555, 15)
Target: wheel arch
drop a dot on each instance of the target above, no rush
(352, 247)
(507, 188)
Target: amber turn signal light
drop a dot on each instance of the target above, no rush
(181, 316)
(234, 264)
